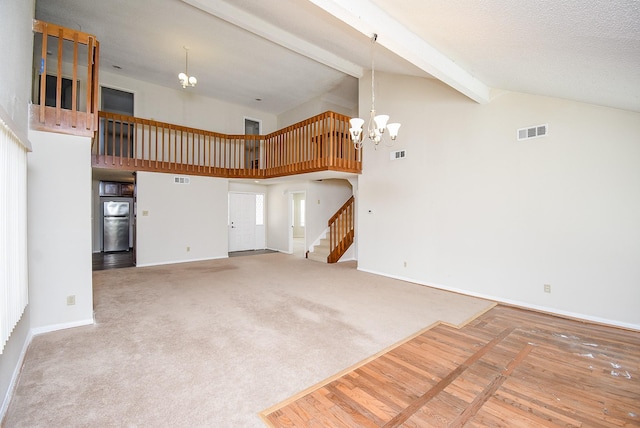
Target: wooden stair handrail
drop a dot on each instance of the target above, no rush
(341, 230)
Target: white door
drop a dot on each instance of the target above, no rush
(242, 221)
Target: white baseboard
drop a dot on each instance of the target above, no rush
(14, 376)
(55, 327)
(32, 333)
(526, 305)
(173, 262)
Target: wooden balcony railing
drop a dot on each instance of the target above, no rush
(320, 143)
(341, 231)
(57, 104)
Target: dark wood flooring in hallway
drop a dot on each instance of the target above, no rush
(116, 260)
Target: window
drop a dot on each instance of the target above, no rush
(259, 209)
(13, 231)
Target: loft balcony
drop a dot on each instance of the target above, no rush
(320, 143)
(65, 100)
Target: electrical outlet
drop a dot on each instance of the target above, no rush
(405, 264)
(188, 249)
(547, 288)
(71, 300)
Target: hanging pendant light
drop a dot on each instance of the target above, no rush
(377, 123)
(185, 79)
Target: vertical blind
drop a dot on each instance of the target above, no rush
(13, 231)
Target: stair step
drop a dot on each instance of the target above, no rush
(320, 252)
(318, 257)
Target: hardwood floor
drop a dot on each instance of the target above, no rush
(117, 260)
(509, 367)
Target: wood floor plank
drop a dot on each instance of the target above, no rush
(509, 367)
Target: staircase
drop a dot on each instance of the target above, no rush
(341, 232)
(320, 251)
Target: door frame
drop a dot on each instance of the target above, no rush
(259, 242)
(291, 219)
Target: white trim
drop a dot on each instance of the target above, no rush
(275, 34)
(18, 367)
(63, 326)
(15, 375)
(172, 262)
(368, 18)
(599, 320)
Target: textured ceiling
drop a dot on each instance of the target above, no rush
(289, 51)
(581, 50)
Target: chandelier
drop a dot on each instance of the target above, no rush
(377, 123)
(185, 79)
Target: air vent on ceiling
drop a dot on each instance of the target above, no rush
(398, 154)
(533, 132)
(181, 180)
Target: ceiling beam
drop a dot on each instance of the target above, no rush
(268, 31)
(367, 18)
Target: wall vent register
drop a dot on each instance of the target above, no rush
(533, 132)
(398, 154)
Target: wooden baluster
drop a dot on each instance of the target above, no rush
(74, 83)
(207, 152)
(120, 141)
(59, 79)
(91, 110)
(182, 150)
(112, 139)
(214, 152)
(91, 58)
(43, 73)
(190, 143)
(305, 145)
(134, 147)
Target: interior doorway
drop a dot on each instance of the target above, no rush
(115, 196)
(252, 146)
(297, 221)
(115, 136)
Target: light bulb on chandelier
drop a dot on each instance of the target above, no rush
(377, 123)
(185, 79)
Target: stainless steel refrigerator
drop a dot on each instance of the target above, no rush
(115, 235)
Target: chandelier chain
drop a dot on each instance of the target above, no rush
(377, 123)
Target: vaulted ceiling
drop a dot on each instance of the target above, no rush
(286, 52)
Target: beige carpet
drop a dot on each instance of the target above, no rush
(214, 343)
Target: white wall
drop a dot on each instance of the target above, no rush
(178, 216)
(17, 45)
(314, 107)
(59, 228)
(185, 107)
(323, 200)
(17, 48)
(471, 209)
